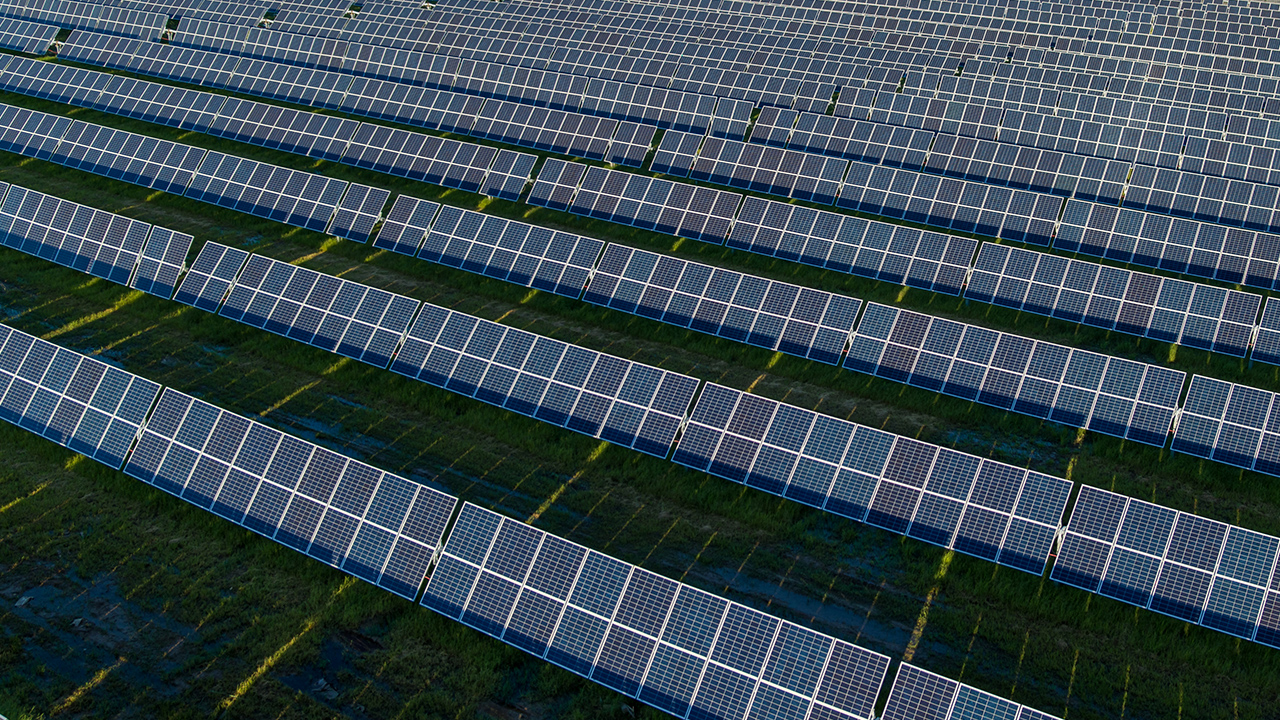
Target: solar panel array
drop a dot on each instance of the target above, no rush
(48, 81)
(790, 173)
(295, 131)
(921, 695)
(1266, 342)
(30, 132)
(158, 103)
(631, 144)
(527, 255)
(137, 159)
(374, 525)
(70, 399)
(626, 403)
(341, 316)
(665, 206)
(556, 185)
(92, 241)
(892, 253)
(662, 642)
(556, 131)
(26, 37)
(422, 157)
(676, 153)
(978, 507)
(406, 225)
(162, 262)
(1075, 387)
(746, 308)
(1189, 567)
(412, 105)
(1165, 309)
(508, 175)
(1230, 423)
(1201, 249)
(289, 196)
(211, 276)
(358, 212)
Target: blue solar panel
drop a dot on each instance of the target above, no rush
(1230, 423)
(374, 525)
(891, 253)
(623, 402)
(528, 255)
(1075, 387)
(1266, 344)
(1192, 568)
(406, 225)
(68, 398)
(664, 643)
(978, 507)
(289, 196)
(357, 213)
(921, 695)
(211, 276)
(162, 261)
(766, 313)
(341, 316)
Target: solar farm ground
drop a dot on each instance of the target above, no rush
(142, 605)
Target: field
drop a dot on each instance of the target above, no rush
(140, 605)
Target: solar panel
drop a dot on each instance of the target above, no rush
(357, 213)
(547, 129)
(625, 403)
(99, 49)
(1229, 423)
(1191, 568)
(631, 144)
(661, 642)
(1200, 249)
(93, 241)
(287, 129)
(746, 308)
(406, 225)
(157, 103)
(921, 695)
(774, 171)
(289, 196)
(211, 276)
(1074, 387)
(75, 401)
(161, 262)
(376, 526)
(527, 255)
(341, 316)
(891, 253)
(59, 83)
(978, 507)
(1266, 344)
(676, 153)
(417, 156)
(665, 206)
(557, 184)
(509, 175)
(424, 107)
(27, 37)
(129, 157)
(199, 67)
(29, 132)
(306, 86)
(1164, 309)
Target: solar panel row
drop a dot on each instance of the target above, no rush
(1189, 567)
(1164, 309)
(746, 308)
(289, 196)
(918, 694)
(137, 159)
(1075, 387)
(626, 403)
(73, 400)
(978, 507)
(358, 212)
(529, 255)
(374, 525)
(27, 37)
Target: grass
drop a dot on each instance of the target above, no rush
(259, 623)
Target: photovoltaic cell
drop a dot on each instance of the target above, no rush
(130, 157)
(374, 525)
(1266, 344)
(661, 642)
(93, 241)
(978, 507)
(1164, 309)
(1074, 387)
(664, 206)
(211, 276)
(892, 253)
(631, 144)
(330, 313)
(1230, 423)
(557, 183)
(746, 308)
(509, 175)
(1192, 568)
(406, 225)
(162, 261)
(528, 255)
(599, 395)
(73, 400)
(29, 132)
(357, 213)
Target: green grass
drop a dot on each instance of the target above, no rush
(95, 535)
